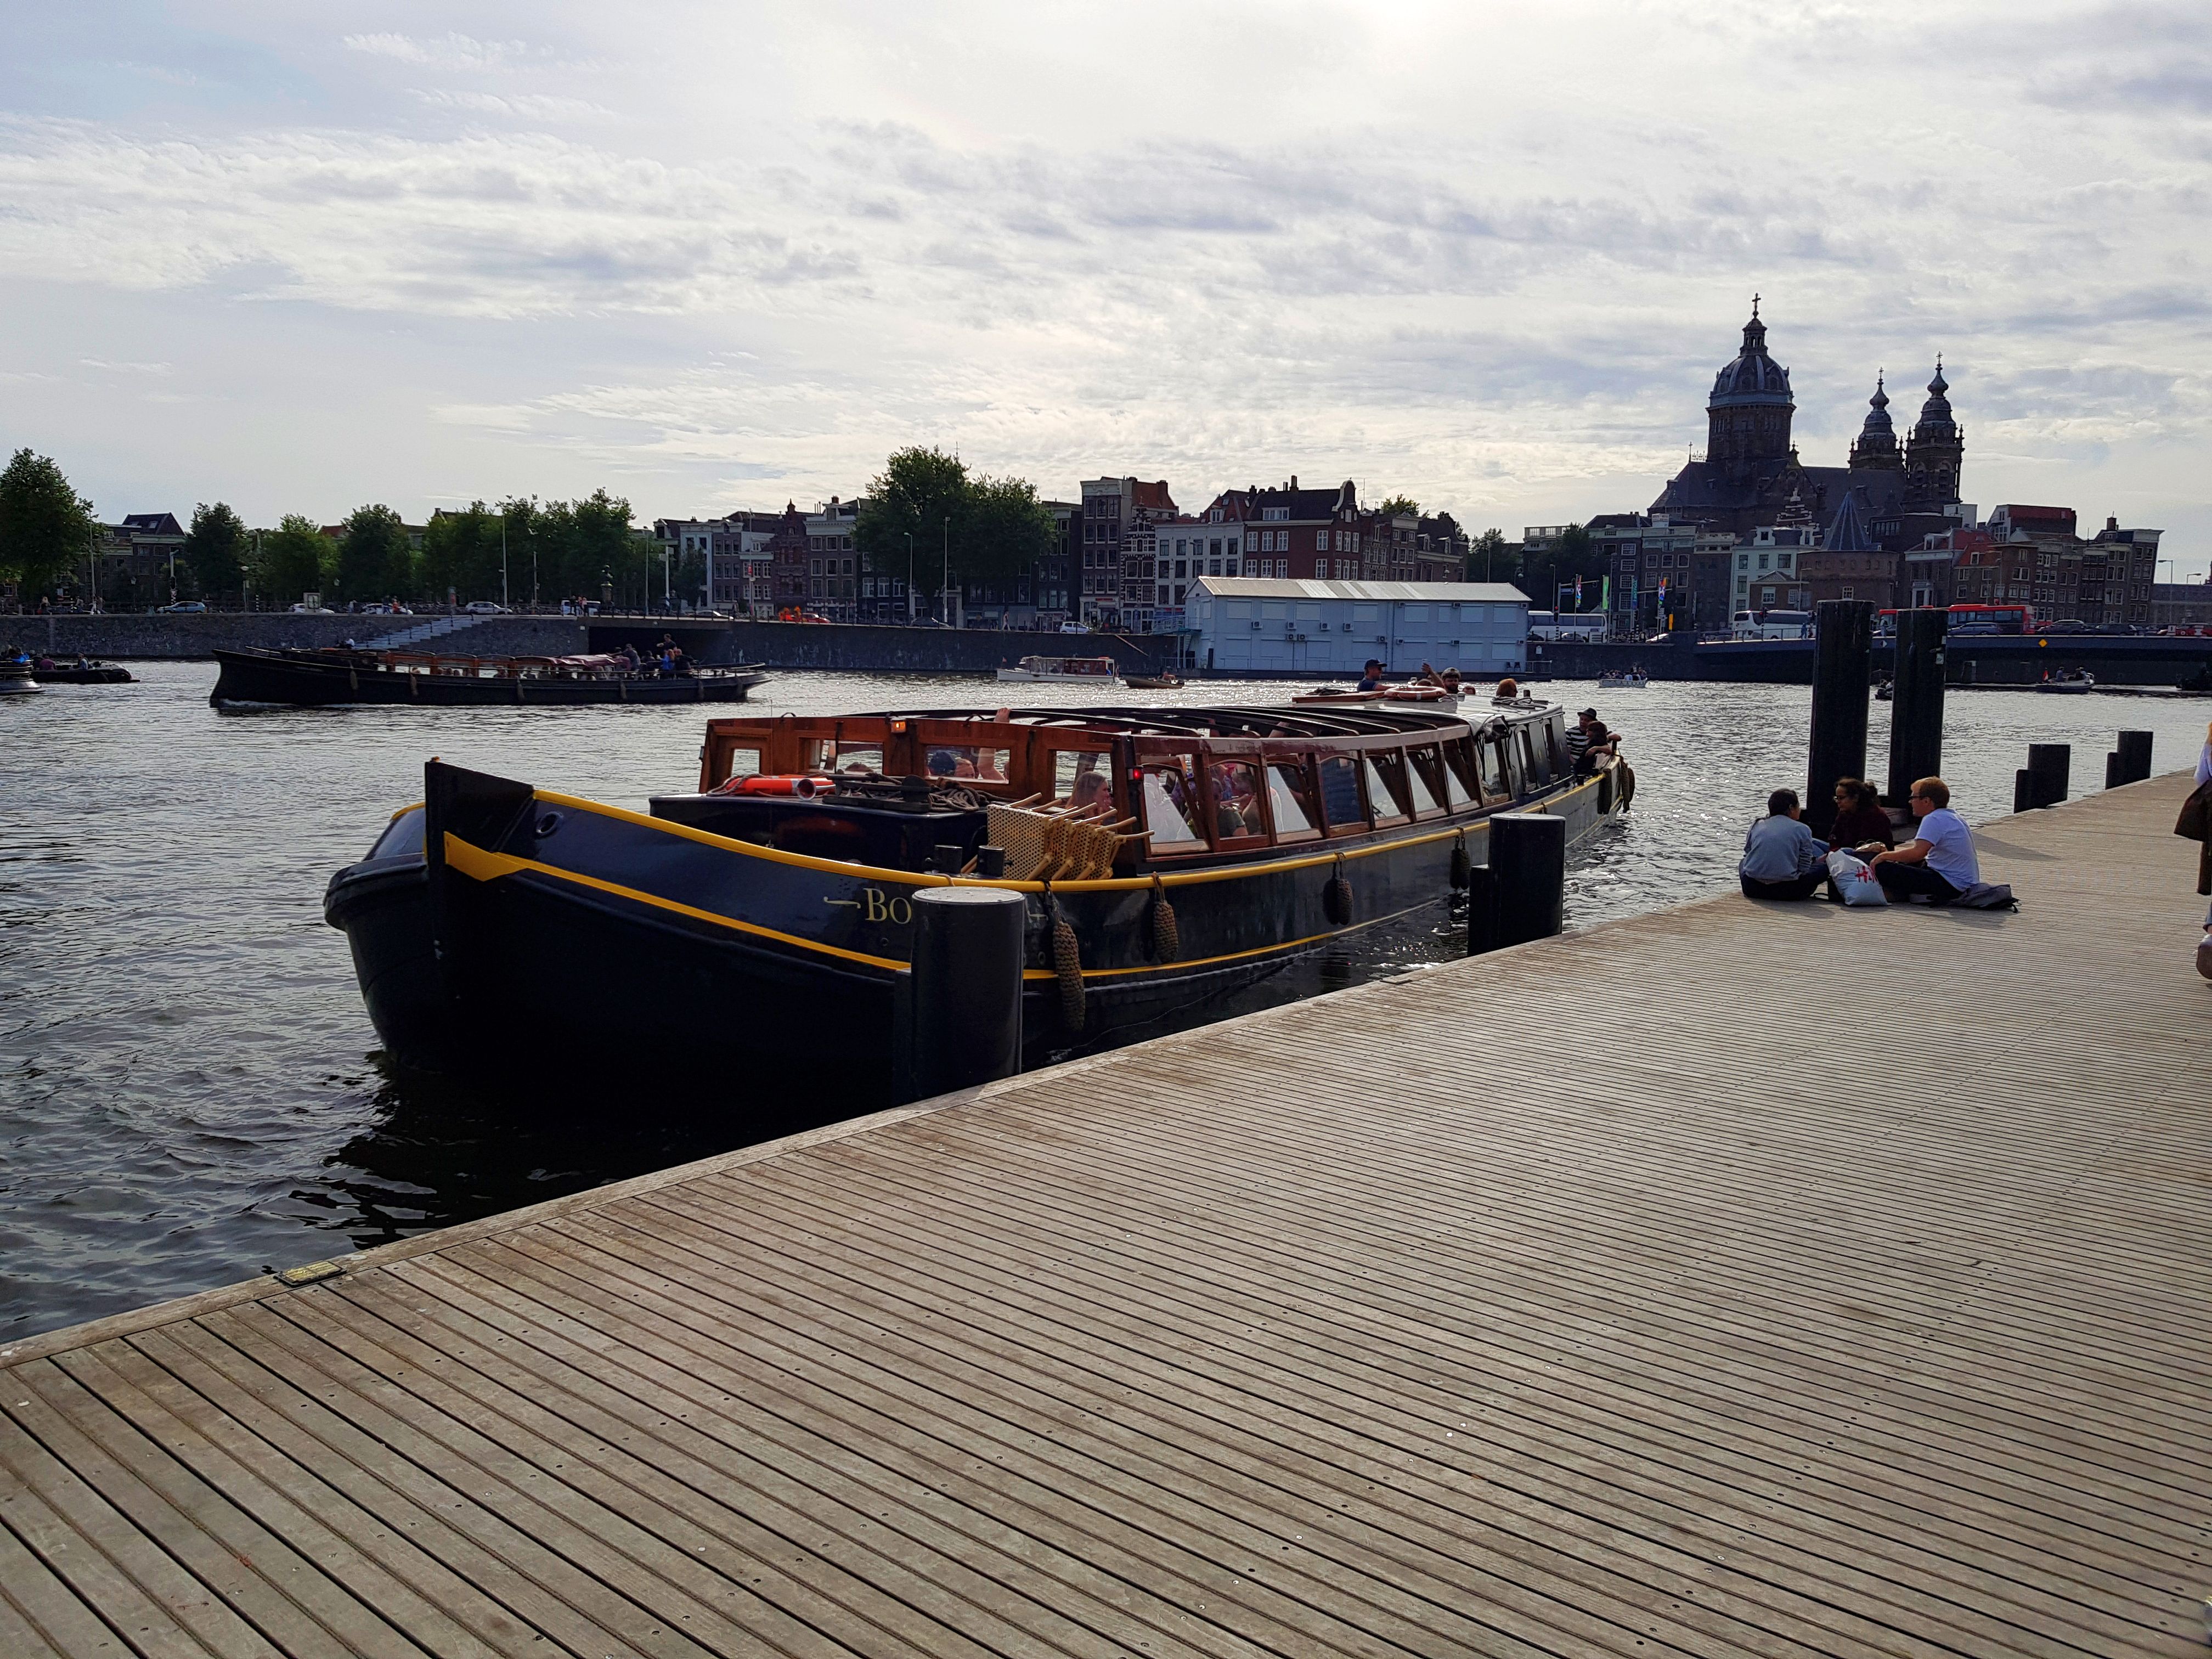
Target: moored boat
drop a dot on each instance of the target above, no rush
(82, 673)
(750, 937)
(429, 679)
(1080, 671)
(2067, 682)
(16, 677)
(1623, 679)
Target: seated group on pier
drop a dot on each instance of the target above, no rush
(1784, 860)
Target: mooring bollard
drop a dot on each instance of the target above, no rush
(1528, 877)
(1842, 659)
(2042, 781)
(1916, 710)
(964, 1018)
(2130, 761)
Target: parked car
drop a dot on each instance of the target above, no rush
(313, 611)
(2070, 625)
(485, 608)
(183, 608)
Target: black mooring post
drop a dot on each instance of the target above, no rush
(1529, 868)
(1843, 665)
(965, 1018)
(1481, 909)
(2048, 765)
(1916, 710)
(2130, 761)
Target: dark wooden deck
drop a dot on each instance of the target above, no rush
(1732, 1281)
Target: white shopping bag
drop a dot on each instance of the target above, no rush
(1854, 878)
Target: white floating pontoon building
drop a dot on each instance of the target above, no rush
(1273, 625)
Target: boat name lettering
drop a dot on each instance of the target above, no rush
(876, 905)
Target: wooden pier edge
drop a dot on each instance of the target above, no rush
(1865, 1316)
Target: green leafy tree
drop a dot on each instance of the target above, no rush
(461, 554)
(374, 561)
(216, 547)
(1401, 504)
(46, 526)
(917, 493)
(294, 559)
(599, 545)
(1006, 531)
(1491, 558)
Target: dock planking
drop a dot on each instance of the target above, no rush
(1735, 1280)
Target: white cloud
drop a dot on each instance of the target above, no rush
(1492, 258)
(446, 52)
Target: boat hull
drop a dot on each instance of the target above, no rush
(255, 677)
(541, 940)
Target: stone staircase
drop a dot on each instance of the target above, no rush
(437, 629)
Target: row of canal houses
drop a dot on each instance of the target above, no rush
(1123, 556)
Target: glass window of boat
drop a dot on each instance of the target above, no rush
(1424, 779)
(1384, 794)
(1508, 762)
(1456, 776)
(1289, 798)
(1170, 809)
(1533, 765)
(1554, 749)
(1237, 813)
(744, 763)
(1496, 785)
(1081, 777)
(965, 764)
(1339, 793)
(858, 758)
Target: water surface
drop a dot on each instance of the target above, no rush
(190, 1090)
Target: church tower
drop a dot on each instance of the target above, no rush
(1875, 447)
(1748, 417)
(1936, 454)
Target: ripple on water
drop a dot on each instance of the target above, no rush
(190, 1090)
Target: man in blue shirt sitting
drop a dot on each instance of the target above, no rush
(1372, 679)
(1939, 861)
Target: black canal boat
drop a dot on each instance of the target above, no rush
(749, 937)
(433, 680)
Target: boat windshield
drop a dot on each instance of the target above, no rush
(1168, 812)
(1286, 795)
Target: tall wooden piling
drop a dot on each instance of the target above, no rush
(1916, 710)
(1843, 661)
(2130, 761)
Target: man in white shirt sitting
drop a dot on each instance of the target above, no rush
(1939, 861)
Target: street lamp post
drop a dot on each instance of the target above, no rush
(505, 603)
(909, 575)
(946, 596)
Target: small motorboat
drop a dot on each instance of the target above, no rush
(16, 676)
(1886, 692)
(81, 673)
(1080, 671)
(1167, 680)
(1629, 679)
(2067, 682)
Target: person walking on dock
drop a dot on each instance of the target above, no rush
(1939, 860)
(1782, 858)
(2204, 861)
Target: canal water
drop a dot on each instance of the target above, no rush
(190, 1091)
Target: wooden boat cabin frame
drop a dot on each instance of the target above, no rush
(1207, 786)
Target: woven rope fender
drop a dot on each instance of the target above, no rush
(1462, 867)
(1167, 937)
(1336, 897)
(1067, 964)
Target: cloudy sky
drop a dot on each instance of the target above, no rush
(300, 256)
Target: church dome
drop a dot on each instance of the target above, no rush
(1753, 377)
(1936, 418)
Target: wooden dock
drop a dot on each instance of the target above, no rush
(1737, 1280)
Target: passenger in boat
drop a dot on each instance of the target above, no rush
(1588, 741)
(1939, 861)
(1781, 858)
(1508, 689)
(1370, 679)
(1090, 792)
(629, 655)
(1860, 819)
